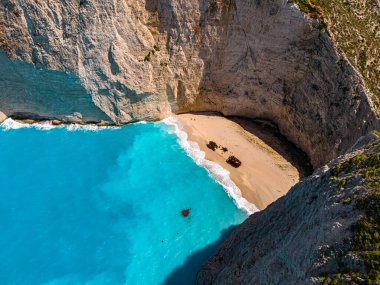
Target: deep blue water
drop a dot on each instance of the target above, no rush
(103, 207)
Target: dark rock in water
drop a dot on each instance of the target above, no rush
(185, 213)
(212, 145)
(233, 161)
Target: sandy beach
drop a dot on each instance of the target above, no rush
(264, 174)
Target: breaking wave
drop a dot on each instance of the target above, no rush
(218, 173)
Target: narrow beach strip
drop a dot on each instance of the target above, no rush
(217, 172)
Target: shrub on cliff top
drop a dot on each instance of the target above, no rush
(365, 240)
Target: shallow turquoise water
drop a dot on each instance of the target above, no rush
(103, 207)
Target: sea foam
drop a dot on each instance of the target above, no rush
(10, 124)
(97, 207)
(218, 173)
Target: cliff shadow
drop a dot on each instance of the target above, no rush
(28, 92)
(269, 133)
(186, 273)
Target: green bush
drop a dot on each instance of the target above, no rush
(147, 58)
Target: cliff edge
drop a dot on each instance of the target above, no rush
(123, 61)
(326, 230)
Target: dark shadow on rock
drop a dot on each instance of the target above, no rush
(186, 273)
(269, 133)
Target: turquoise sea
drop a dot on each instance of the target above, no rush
(89, 205)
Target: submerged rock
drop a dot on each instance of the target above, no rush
(185, 212)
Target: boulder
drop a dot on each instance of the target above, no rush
(233, 161)
(3, 117)
(212, 145)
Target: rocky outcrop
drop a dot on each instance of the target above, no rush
(355, 29)
(122, 61)
(285, 70)
(91, 51)
(326, 228)
(3, 117)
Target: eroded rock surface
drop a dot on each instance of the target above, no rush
(326, 228)
(130, 60)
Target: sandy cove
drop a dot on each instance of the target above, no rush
(264, 175)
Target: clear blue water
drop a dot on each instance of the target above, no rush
(103, 207)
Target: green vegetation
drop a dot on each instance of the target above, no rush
(354, 26)
(347, 201)
(17, 13)
(365, 241)
(310, 8)
(147, 58)
(342, 183)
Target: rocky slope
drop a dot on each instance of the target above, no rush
(355, 28)
(121, 61)
(325, 230)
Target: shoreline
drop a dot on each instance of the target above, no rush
(56, 122)
(215, 170)
(9, 124)
(264, 175)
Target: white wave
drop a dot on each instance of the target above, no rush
(10, 124)
(140, 123)
(92, 128)
(218, 173)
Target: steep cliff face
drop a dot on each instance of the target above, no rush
(268, 61)
(129, 60)
(102, 43)
(325, 230)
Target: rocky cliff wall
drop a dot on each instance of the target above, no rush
(135, 59)
(324, 231)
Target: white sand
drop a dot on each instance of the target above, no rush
(264, 175)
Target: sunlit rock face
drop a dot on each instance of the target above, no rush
(134, 59)
(102, 43)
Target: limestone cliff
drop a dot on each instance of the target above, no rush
(355, 29)
(326, 230)
(127, 60)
